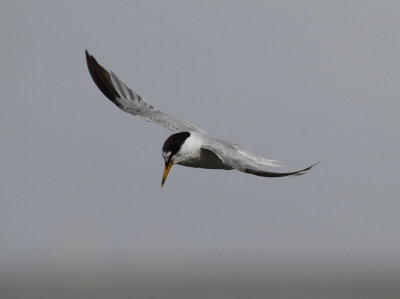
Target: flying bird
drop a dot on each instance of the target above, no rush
(189, 146)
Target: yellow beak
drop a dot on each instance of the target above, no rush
(167, 167)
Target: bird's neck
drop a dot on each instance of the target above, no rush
(190, 149)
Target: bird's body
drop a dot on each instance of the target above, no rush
(190, 146)
(192, 153)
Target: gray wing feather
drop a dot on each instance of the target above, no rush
(235, 156)
(232, 155)
(129, 101)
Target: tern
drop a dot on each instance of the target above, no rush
(189, 146)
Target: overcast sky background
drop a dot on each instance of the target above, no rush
(295, 81)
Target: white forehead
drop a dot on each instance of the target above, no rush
(166, 154)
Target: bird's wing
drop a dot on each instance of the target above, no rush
(243, 160)
(129, 101)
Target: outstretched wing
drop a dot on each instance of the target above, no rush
(233, 155)
(261, 172)
(129, 101)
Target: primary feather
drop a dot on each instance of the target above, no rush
(228, 155)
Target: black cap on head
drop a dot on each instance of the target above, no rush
(174, 142)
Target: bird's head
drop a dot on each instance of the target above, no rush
(171, 151)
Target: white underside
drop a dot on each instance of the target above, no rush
(191, 154)
(195, 153)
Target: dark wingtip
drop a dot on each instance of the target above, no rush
(279, 174)
(101, 78)
(304, 171)
(88, 57)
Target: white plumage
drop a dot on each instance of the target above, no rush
(192, 146)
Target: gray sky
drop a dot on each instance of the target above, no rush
(296, 81)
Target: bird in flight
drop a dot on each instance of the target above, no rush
(189, 146)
